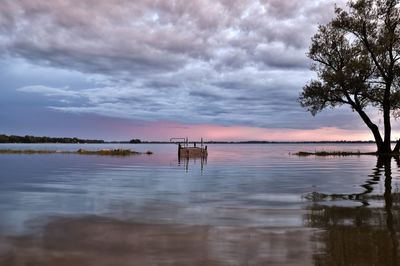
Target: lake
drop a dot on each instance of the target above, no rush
(246, 204)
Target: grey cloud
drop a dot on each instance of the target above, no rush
(285, 9)
(269, 107)
(130, 37)
(211, 96)
(48, 91)
(280, 57)
(261, 102)
(200, 61)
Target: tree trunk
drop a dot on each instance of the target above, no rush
(382, 147)
(380, 144)
(386, 119)
(397, 147)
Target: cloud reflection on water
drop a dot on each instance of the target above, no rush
(247, 207)
(102, 241)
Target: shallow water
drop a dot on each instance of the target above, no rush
(245, 205)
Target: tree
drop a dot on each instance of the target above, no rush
(356, 58)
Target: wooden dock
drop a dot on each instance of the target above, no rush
(192, 152)
(184, 151)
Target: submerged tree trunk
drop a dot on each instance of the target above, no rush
(386, 118)
(382, 147)
(397, 147)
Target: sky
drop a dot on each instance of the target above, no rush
(158, 69)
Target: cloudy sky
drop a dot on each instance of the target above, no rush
(156, 69)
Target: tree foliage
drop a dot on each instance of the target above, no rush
(356, 58)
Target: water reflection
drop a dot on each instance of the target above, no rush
(362, 235)
(246, 207)
(101, 241)
(185, 161)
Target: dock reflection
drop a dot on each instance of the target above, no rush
(361, 235)
(186, 161)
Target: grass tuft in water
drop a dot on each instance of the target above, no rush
(114, 152)
(10, 151)
(104, 152)
(333, 153)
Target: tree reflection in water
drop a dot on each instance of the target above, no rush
(362, 235)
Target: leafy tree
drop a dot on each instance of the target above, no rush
(4, 139)
(356, 57)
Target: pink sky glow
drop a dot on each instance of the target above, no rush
(166, 130)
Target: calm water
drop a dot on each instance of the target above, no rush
(244, 205)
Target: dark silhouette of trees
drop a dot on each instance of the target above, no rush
(356, 57)
(32, 139)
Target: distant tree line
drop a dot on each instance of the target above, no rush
(33, 139)
(135, 141)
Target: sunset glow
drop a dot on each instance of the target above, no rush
(164, 130)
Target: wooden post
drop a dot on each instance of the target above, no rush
(179, 152)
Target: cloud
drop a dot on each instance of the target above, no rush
(202, 61)
(145, 37)
(231, 100)
(48, 91)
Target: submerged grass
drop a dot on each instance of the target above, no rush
(316, 196)
(333, 153)
(116, 152)
(104, 152)
(9, 151)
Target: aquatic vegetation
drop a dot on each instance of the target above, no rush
(333, 153)
(103, 152)
(10, 151)
(110, 152)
